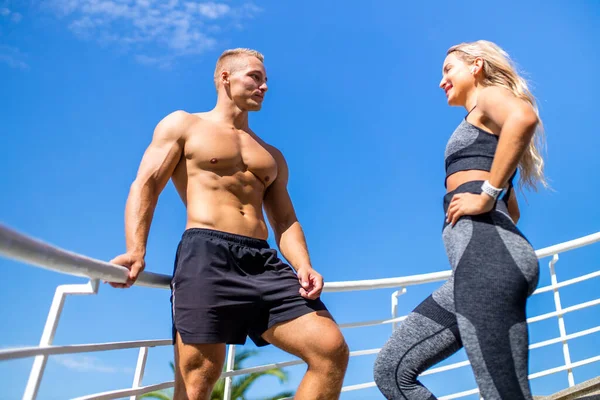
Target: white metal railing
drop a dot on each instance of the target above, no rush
(20, 247)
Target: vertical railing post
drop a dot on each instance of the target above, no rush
(139, 370)
(561, 321)
(395, 305)
(39, 363)
(229, 367)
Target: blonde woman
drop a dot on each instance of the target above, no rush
(495, 270)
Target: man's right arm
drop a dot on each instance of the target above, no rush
(156, 168)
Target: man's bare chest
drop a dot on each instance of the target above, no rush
(228, 152)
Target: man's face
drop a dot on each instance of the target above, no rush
(248, 84)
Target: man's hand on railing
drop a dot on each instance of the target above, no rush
(134, 263)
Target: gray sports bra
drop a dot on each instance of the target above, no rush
(471, 148)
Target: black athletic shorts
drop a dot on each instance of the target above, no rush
(226, 287)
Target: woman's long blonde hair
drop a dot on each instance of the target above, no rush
(499, 70)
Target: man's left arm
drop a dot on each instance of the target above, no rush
(288, 231)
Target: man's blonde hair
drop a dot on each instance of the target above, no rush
(230, 60)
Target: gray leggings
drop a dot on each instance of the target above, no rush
(482, 306)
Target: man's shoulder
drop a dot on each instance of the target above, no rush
(176, 123)
(178, 117)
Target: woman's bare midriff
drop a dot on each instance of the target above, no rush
(460, 177)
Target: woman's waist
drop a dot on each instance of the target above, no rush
(473, 187)
(458, 178)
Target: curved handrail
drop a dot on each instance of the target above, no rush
(23, 352)
(36, 252)
(23, 248)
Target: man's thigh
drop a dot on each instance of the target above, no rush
(311, 335)
(280, 300)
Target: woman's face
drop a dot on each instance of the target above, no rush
(458, 79)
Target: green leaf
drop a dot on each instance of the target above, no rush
(219, 390)
(242, 356)
(281, 395)
(243, 384)
(156, 395)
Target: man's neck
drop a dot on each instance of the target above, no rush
(227, 112)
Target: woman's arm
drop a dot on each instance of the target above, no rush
(513, 206)
(517, 121)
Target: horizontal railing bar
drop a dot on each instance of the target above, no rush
(261, 368)
(358, 353)
(117, 394)
(9, 354)
(459, 395)
(568, 337)
(569, 282)
(564, 367)
(568, 246)
(446, 368)
(372, 322)
(386, 283)
(32, 251)
(564, 311)
(359, 386)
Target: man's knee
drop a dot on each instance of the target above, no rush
(198, 369)
(332, 352)
(204, 374)
(197, 383)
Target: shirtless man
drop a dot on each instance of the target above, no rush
(227, 283)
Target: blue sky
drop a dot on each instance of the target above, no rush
(353, 103)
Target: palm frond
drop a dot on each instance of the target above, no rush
(156, 395)
(281, 395)
(241, 385)
(219, 390)
(242, 356)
